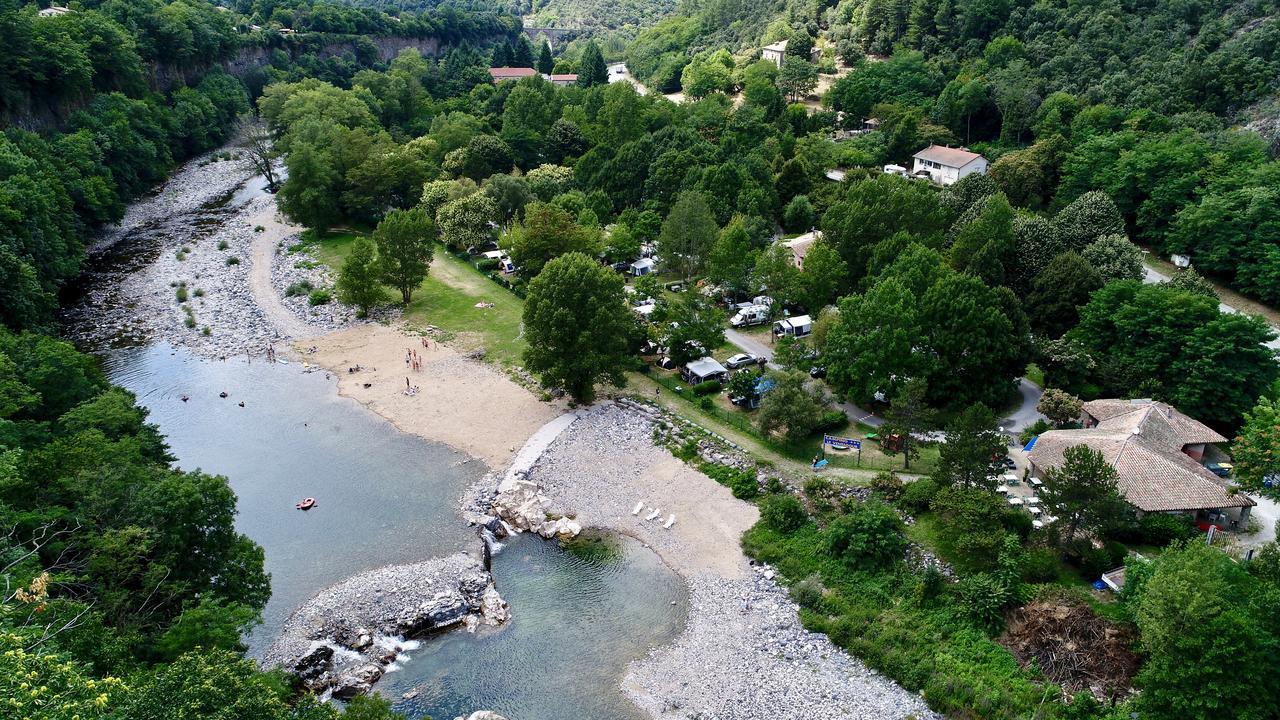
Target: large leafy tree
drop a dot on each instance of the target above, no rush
(1082, 492)
(870, 346)
(576, 321)
(467, 221)
(792, 408)
(731, 258)
(697, 326)
(797, 78)
(822, 278)
(873, 210)
(1256, 449)
(404, 240)
(546, 233)
(1059, 291)
(1206, 625)
(1178, 347)
(688, 234)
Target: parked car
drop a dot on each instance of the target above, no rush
(818, 371)
(741, 360)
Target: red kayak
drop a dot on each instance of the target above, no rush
(307, 504)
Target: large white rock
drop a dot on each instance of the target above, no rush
(482, 715)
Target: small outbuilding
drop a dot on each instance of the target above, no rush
(704, 370)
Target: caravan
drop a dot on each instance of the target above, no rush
(798, 326)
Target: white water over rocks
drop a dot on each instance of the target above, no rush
(349, 635)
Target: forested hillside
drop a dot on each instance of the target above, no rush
(118, 130)
(126, 588)
(1141, 102)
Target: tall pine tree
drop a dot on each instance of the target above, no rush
(591, 70)
(545, 63)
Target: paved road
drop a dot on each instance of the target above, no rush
(1151, 277)
(1021, 418)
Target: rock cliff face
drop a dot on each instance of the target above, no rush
(344, 638)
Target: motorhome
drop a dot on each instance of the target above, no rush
(750, 315)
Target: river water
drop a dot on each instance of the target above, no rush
(579, 613)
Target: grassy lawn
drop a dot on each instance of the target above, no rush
(1035, 374)
(447, 299)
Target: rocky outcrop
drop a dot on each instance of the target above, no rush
(520, 507)
(345, 638)
(481, 715)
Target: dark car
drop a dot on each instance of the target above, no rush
(818, 371)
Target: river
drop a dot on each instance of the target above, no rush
(580, 614)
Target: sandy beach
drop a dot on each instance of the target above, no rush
(460, 402)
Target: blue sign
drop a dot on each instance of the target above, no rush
(834, 441)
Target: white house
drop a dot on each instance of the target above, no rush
(54, 11)
(946, 165)
(777, 51)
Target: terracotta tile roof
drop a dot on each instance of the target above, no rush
(564, 77)
(510, 73)
(1151, 418)
(949, 156)
(1143, 441)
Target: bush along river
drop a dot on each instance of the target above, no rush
(579, 612)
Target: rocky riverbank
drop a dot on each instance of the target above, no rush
(349, 635)
(205, 263)
(743, 654)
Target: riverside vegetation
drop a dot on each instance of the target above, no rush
(932, 301)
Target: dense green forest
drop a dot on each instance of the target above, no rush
(117, 134)
(126, 589)
(1142, 101)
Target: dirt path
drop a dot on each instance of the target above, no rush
(264, 292)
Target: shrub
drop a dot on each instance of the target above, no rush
(1095, 561)
(487, 265)
(190, 321)
(870, 536)
(1017, 522)
(982, 599)
(741, 482)
(222, 245)
(820, 491)
(887, 485)
(302, 287)
(917, 495)
(783, 513)
(233, 260)
(706, 404)
(1040, 566)
(206, 331)
(1161, 530)
(258, 228)
(831, 421)
(1034, 429)
(199, 292)
(319, 296)
(932, 583)
(182, 293)
(808, 592)
(710, 387)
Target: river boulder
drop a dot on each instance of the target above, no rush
(356, 681)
